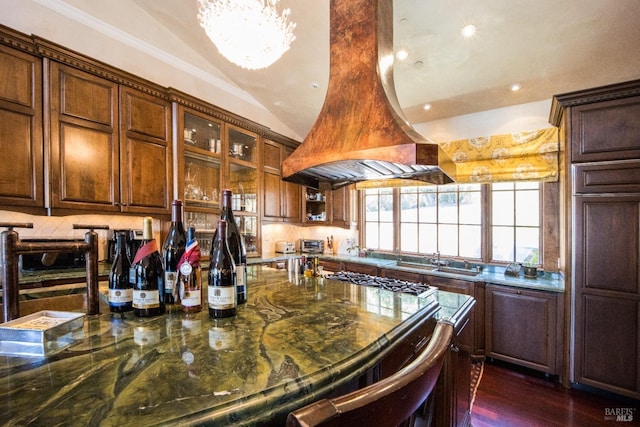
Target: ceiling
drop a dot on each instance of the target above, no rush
(547, 46)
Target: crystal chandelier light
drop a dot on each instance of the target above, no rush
(249, 33)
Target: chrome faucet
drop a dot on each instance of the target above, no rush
(436, 259)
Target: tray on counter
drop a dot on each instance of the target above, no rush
(40, 334)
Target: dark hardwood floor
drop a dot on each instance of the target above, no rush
(512, 397)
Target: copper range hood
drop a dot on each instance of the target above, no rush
(361, 132)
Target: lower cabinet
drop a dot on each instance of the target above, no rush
(472, 337)
(360, 268)
(521, 327)
(453, 391)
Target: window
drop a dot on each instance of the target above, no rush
(452, 220)
(379, 219)
(515, 214)
(444, 219)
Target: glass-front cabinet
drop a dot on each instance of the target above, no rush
(202, 154)
(243, 182)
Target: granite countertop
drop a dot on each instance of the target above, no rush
(293, 341)
(551, 282)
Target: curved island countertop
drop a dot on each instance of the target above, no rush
(294, 341)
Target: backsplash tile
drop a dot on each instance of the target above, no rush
(62, 226)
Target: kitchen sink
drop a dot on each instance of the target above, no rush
(454, 270)
(416, 265)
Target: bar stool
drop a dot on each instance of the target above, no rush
(389, 402)
(11, 247)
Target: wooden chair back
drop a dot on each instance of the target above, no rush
(388, 402)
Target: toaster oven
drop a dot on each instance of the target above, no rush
(308, 246)
(285, 247)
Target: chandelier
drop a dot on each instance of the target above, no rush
(249, 33)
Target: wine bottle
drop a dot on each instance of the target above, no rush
(147, 275)
(120, 290)
(236, 245)
(222, 289)
(190, 275)
(172, 251)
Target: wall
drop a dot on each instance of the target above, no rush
(67, 25)
(61, 227)
(523, 117)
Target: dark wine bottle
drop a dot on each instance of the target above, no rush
(172, 251)
(147, 275)
(236, 244)
(222, 290)
(190, 275)
(120, 290)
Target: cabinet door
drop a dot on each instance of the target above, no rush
(84, 171)
(243, 183)
(521, 327)
(146, 153)
(21, 141)
(606, 130)
(281, 199)
(340, 215)
(272, 203)
(469, 338)
(291, 197)
(361, 268)
(607, 293)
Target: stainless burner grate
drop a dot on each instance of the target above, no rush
(387, 283)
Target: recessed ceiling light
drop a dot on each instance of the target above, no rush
(426, 107)
(515, 87)
(468, 31)
(402, 54)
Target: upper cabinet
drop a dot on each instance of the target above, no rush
(21, 143)
(243, 181)
(110, 145)
(331, 207)
(281, 199)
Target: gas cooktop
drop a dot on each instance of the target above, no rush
(390, 284)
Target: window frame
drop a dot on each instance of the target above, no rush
(486, 225)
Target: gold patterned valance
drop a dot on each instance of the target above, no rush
(521, 156)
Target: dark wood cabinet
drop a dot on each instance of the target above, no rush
(472, 337)
(602, 134)
(607, 289)
(409, 276)
(361, 268)
(21, 140)
(343, 206)
(281, 199)
(84, 128)
(146, 171)
(521, 327)
(110, 145)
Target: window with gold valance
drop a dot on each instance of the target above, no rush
(520, 156)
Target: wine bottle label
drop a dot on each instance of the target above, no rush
(222, 297)
(169, 281)
(191, 298)
(146, 299)
(240, 270)
(120, 296)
